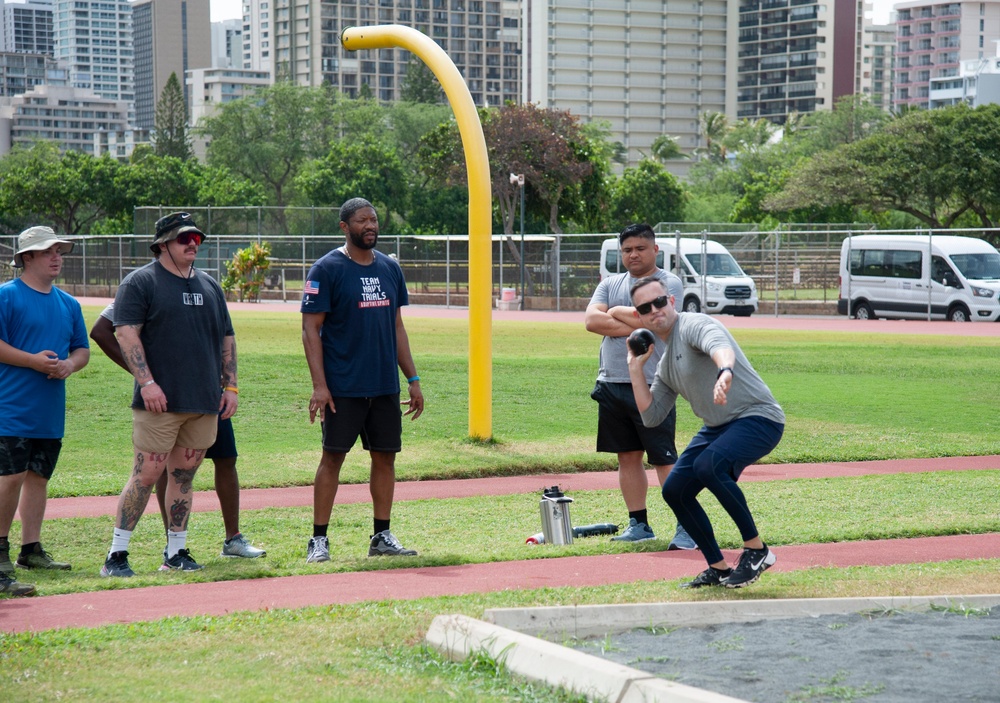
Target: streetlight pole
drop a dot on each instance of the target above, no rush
(518, 178)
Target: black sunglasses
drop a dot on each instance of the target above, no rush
(645, 308)
(165, 224)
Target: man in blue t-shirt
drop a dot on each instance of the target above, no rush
(42, 341)
(354, 340)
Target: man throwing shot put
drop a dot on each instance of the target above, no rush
(743, 422)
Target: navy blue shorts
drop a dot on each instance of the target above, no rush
(620, 428)
(20, 454)
(225, 442)
(378, 421)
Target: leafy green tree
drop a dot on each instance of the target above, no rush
(588, 204)
(648, 193)
(357, 168)
(170, 133)
(936, 165)
(69, 191)
(420, 84)
(267, 138)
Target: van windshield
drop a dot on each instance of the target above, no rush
(978, 267)
(718, 265)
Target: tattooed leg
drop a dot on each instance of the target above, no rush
(135, 495)
(184, 464)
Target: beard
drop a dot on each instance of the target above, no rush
(358, 240)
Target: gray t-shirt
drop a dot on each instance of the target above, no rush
(687, 369)
(612, 292)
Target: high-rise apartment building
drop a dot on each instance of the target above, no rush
(169, 36)
(301, 39)
(934, 38)
(874, 80)
(646, 67)
(93, 38)
(19, 72)
(211, 88)
(27, 26)
(227, 44)
(797, 56)
(69, 116)
(258, 35)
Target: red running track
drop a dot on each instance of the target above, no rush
(219, 598)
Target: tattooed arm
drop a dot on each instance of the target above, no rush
(135, 356)
(230, 398)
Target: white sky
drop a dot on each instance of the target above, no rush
(226, 10)
(881, 8)
(232, 9)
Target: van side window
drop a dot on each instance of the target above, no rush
(906, 264)
(886, 263)
(942, 273)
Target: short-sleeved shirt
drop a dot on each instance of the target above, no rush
(184, 322)
(32, 405)
(614, 291)
(359, 330)
(687, 369)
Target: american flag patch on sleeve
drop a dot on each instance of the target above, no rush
(311, 288)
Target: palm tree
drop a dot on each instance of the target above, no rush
(714, 126)
(665, 147)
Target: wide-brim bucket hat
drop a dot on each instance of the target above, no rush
(38, 239)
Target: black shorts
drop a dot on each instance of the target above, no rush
(20, 454)
(620, 428)
(378, 421)
(225, 442)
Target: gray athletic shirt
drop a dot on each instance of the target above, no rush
(687, 369)
(612, 292)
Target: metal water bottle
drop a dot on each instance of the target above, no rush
(557, 527)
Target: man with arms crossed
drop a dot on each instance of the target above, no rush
(619, 426)
(174, 331)
(743, 423)
(40, 346)
(354, 339)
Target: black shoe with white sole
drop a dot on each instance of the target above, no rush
(753, 562)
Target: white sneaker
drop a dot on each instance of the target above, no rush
(319, 550)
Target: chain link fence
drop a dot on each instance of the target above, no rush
(791, 264)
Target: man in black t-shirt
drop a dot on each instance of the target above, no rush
(174, 331)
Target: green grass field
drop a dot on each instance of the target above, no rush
(847, 397)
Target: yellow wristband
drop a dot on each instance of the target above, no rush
(234, 389)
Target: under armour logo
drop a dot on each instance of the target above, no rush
(678, 357)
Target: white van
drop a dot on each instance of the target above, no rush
(904, 276)
(725, 290)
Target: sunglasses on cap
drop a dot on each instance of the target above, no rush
(177, 219)
(660, 302)
(188, 237)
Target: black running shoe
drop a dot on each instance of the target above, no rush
(117, 565)
(181, 561)
(753, 562)
(709, 577)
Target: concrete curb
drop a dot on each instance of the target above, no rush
(459, 636)
(581, 621)
(506, 636)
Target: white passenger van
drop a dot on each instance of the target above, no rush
(904, 276)
(724, 290)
